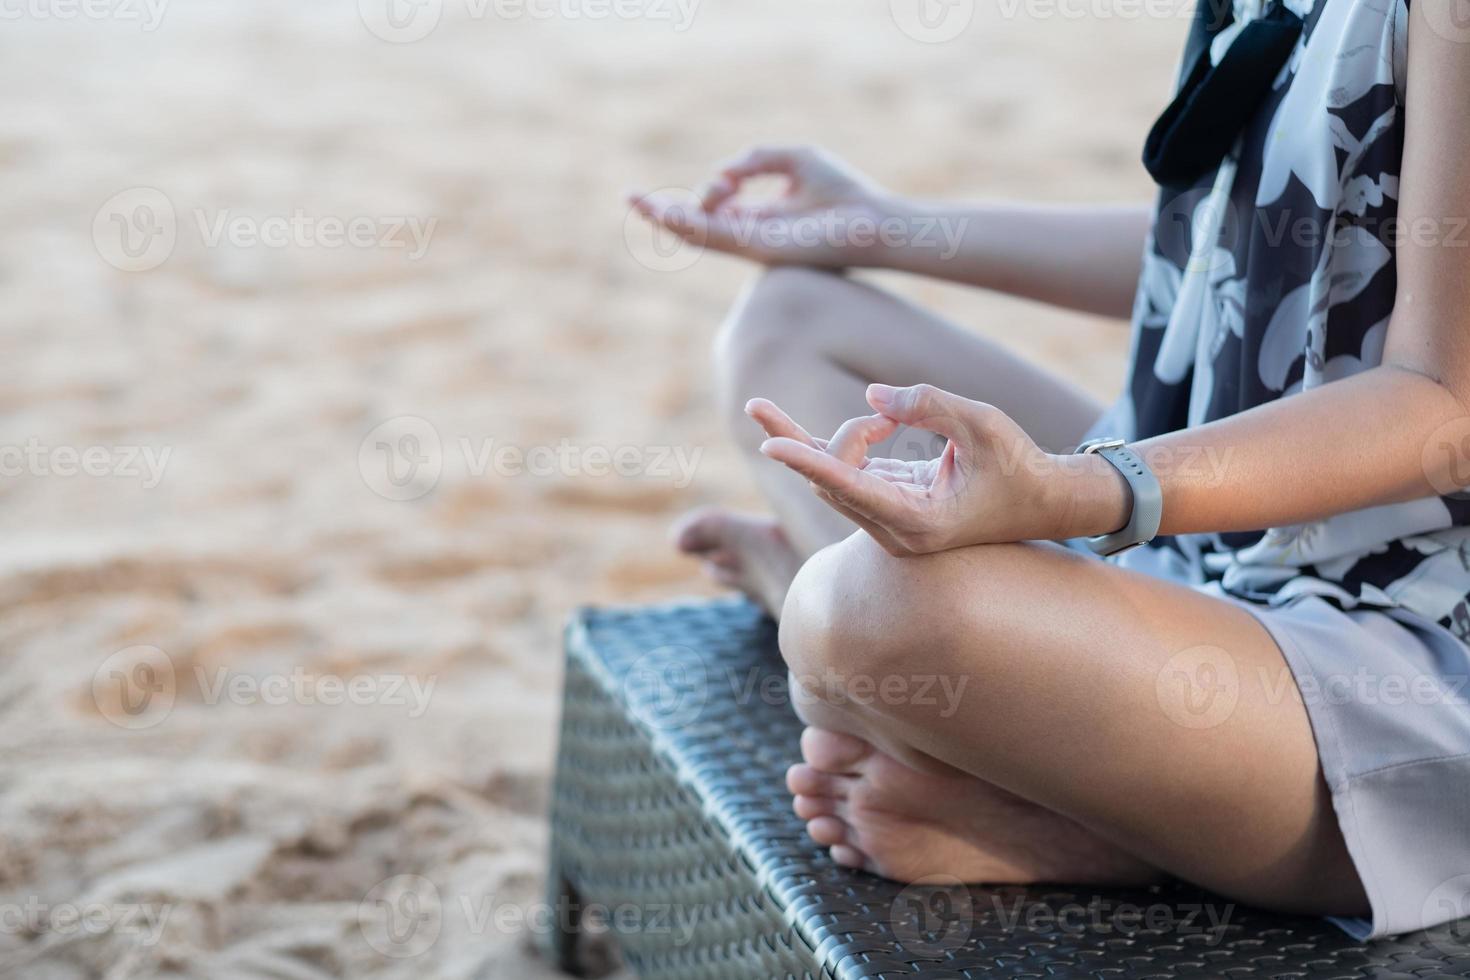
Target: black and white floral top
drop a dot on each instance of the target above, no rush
(1276, 274)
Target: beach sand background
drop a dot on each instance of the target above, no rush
(174, 640)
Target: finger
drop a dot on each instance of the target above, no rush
(874, 530)
(717, 192)
(689, 221)
(778, 424)
(761, 160)
(862, 492)
(851, 441)
(929, 408)
(663, 210)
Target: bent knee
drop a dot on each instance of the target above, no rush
(781, 314)
(853, 614)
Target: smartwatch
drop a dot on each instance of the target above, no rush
(1148, 498)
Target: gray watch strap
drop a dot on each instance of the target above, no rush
(1148, 498)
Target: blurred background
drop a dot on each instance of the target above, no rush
(335, 374)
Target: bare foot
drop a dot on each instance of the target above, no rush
(878, 814)
(742, 551)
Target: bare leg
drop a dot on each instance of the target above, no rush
(812, 342)
(1083, 693)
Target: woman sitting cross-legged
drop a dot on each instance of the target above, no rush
(1260, 686)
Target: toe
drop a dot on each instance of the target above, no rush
(827, 830)
(699, 531)
(805, 780)
(723, 574)
(811, 807)
(830, 751)
(849, 857)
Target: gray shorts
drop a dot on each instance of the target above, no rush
(1388, 694)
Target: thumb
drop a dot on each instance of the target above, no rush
(925, 407)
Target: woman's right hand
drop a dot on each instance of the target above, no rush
(828, 215)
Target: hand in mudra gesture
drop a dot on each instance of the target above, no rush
(826, 214)
(991, 483)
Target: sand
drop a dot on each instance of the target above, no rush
(252, 679)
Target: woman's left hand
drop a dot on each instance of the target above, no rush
(990, 484)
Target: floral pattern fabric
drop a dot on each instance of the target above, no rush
(1276, 274)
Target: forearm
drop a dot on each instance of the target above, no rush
(1384, 436)
(1082, 257)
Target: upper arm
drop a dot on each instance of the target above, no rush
(1430, 328)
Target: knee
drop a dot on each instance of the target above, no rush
(847, 625)
(780, 315)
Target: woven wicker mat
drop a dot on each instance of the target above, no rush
(673, 833)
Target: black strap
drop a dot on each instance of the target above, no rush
(1215, 102)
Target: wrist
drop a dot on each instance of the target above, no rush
(890, 245)
(1090, 497)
